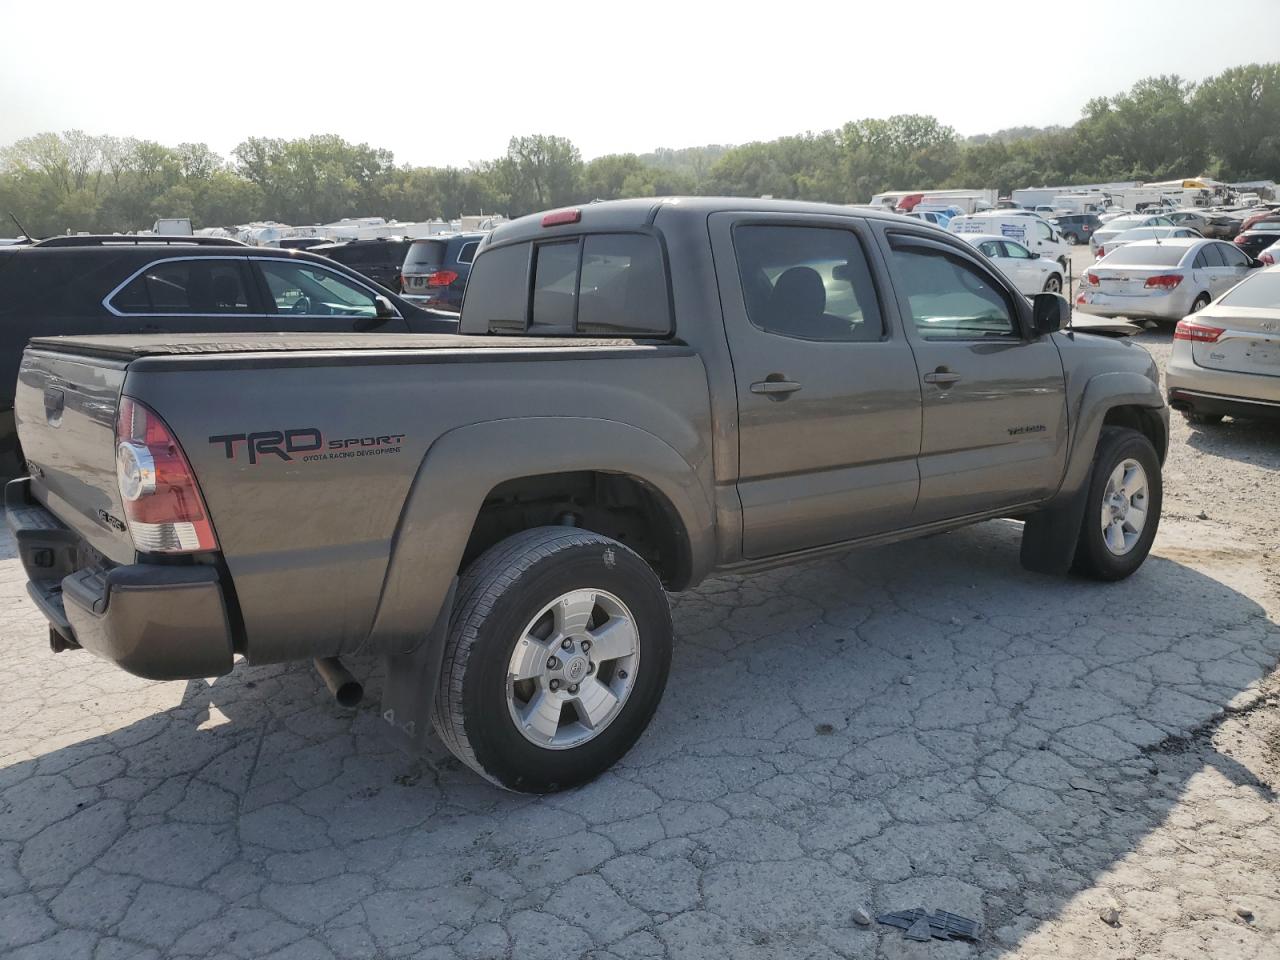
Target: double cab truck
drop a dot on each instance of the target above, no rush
(641, 394)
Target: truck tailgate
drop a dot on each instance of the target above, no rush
(65, 408)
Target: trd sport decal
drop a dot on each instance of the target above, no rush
(304, 443)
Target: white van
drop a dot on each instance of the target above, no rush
(1033, 232)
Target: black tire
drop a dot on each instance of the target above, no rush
(1071, 238)
(1053, 284)
(497, 596)
(1203, 419)
(1093, 558)
(1200, 303)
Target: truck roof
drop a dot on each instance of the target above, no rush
(630, 214)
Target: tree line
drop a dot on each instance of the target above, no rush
(1227, 127)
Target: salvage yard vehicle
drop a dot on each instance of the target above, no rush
(379, 259)
(643, 393)
(435, 270)
(147, 284)
(1026, 227)
(1076, 227)
(1119, 225)
(1161, 279)
(1145, 233)
(1258, 237)
(1030, 273)
(1226, 358)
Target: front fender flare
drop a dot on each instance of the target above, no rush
(463, 465)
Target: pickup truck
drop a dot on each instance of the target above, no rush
(641, 394)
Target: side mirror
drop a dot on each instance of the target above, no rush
(1050, 312)
(1254, 262)
(1035, 256)
(382, 308)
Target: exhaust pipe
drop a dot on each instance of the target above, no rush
(345, 688)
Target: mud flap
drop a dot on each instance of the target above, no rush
(409, 690)
(1049, 538)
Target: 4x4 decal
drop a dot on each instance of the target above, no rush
(304, 443)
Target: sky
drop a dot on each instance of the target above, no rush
(450, 83)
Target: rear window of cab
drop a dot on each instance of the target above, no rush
(600, 284)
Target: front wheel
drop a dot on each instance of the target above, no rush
(1122, 511)
(1053, 284)
(557, 657)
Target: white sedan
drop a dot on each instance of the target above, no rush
(1146, 233)
(1029, 272)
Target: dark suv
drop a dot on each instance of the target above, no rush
(379, 259)
(90, 285)
(1076, 227)
(435, 270)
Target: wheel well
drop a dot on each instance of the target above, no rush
(1143, 419)
(615, 505)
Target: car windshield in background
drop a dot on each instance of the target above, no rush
(1259, 290)
(1144, 255)
(1269, 226)
(1127, 223)
(425, 255)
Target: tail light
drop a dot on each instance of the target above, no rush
(162, 503)
(1092, 278)
(558, 218)
(442, 278)
(1163, 281)
(1197, 332)
(1102, 252)
(1267, 258)
(1240, 239)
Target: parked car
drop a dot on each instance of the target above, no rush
(1198, 220)
(1076, 228)
(1225, 359)
(1248, 222)
(644, 393)
(937, 218)
(1161, 280)
(379, 260)
(1146, 233)
(99, 285)
(1030, 272)
(1271, 255)
(1029, 229)
(435, 270)
(1119, 225)
(1258, 237)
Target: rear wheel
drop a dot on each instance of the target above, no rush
(556, 659)
(1122, 512)
(1071, 238)
(1053, 284)
(1200, 303)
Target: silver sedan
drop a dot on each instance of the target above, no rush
(1226, 358)
(1161, 279)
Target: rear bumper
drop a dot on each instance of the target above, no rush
(158, 621)
(1165, 306)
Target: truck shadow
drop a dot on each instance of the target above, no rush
(917, 724)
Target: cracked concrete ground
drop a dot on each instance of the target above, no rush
(918, 725)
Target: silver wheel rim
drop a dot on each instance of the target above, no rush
(573, 668)
(1199, 304)
(1124, 507)
(1053, 286)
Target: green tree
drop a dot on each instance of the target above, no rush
(1239, 111)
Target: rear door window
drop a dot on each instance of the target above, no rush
(196, 286)
(1231, 256)
(468, 251)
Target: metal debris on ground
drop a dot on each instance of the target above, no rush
(919, 924)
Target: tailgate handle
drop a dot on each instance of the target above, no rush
(54, 401)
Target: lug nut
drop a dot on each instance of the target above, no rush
(622, 674)
(573, 688)
(552, 663)
(554, 684)
(586, 645)
(591, 668)
(566, 644)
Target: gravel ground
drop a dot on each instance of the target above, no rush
(917, 725)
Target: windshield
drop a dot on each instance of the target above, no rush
(1259, 290)
(424, 256)
(1146, 255)
(1126, 223)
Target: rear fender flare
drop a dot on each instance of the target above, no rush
(463, 465)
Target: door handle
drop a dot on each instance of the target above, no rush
(941, 377)
(775, 389)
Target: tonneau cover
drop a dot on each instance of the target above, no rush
(131, 346)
